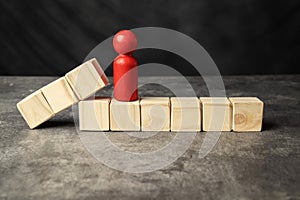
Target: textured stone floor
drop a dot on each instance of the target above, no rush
(52, 163)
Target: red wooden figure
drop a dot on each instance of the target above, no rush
(125, 67)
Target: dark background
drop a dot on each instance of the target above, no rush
(243, 37)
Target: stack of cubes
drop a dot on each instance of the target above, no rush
(178, 114)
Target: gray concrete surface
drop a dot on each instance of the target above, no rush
(51, 163)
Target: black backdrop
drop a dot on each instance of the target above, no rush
(243, 37)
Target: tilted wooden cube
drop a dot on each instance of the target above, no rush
(185, 114)
(87, 79)
(247, 113)
(155, 114)
(59, 95)
(216, 114)
(35, 109)
(125, 116)
(94, 114)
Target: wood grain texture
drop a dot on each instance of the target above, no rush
(125, 116)
(247, 113)
(87, 79)
(35, 109)
(185, 114)
(216, 114)
(155, 114)
(94, 114)
(59, 95)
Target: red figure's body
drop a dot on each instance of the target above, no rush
(125, 78)
(125, 67)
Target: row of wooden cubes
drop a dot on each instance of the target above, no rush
(172, 114)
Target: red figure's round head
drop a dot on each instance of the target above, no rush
(125, 42)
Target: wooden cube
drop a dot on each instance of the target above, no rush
(155, 114)
(125, 116)
(94, 114)
(35, 109)
(216, 114)
(247, 113)
(87, 79)
(59, 95)
(185, 114)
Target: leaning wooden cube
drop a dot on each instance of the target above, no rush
(247, 113)
(125, 116)
(155, 114)
(94, 114)
(35, 109)
(59, 95)
(87, 79)
(216, 114)
(185, 114)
